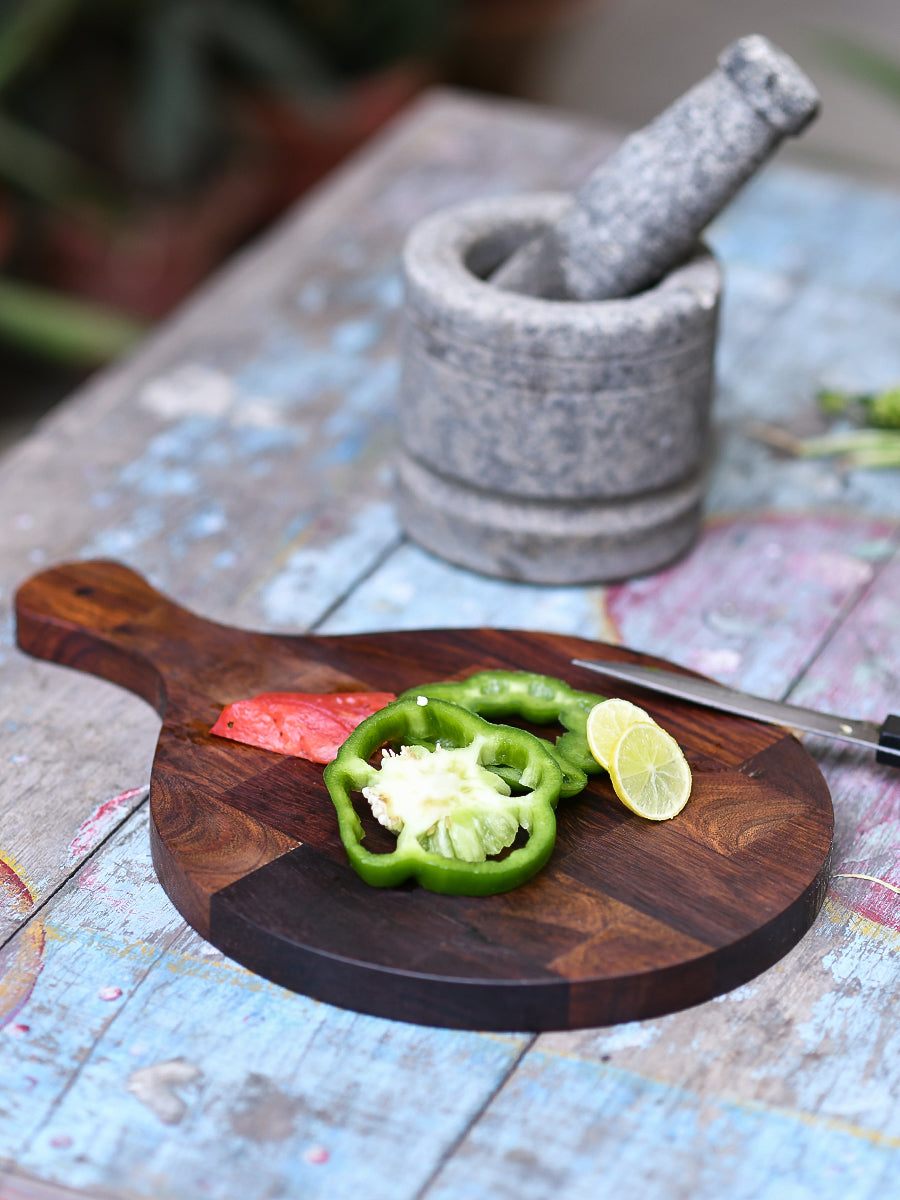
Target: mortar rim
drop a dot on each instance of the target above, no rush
(438, 278)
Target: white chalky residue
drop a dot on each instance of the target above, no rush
(191, 390)
(155, 1087)
(259, 412)
(206, 523)
(840, 571)
(632, 1035)
(716, 662)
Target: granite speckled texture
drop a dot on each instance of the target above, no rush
(544, 440)
(558, 349)
(640, 212)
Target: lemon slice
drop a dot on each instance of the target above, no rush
(649, 772)
(606, 723)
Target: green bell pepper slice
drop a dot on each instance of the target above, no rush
(443, 797)
(539, 699)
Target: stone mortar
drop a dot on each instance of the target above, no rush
(549, 441)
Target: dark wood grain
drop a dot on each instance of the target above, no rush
(628, 920)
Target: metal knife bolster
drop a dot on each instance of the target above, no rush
(884, 739)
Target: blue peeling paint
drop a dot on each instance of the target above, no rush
(410, 592)
(615, 1132)
(354, 337)
(347, 449)
(254, 441)
(371, 393)
(320, 569)
(384, 288)
(159, 480)
(145, 523)
(293, 372)
(72, 1113)
(205, 523)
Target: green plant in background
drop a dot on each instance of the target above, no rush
(869, 432)
(35, 319)
(871, 437)
(878, 409)
(53, 326)
(106, 106)
(174, 71)
(863, 63)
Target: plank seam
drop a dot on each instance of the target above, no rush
(80, 1066)
(843, 613)
(480, 1112)
(70, 875)
(360, 579)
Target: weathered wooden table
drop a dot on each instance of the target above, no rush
(241, 461)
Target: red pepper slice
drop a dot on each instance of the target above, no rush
(309, 725)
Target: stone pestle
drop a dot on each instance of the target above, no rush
(640, 213)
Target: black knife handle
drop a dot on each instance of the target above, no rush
(890, 739)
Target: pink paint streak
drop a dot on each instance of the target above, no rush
(869, 899)
(22, 959)
(804, 569)
(101, 821)
(15, 895)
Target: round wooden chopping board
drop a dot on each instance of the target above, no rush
(629, 919)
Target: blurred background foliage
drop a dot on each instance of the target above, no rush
(860, 60)
(142, 141)
(146, 96)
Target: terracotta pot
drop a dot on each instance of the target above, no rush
(146, 264)
(517, 18)
(304, 148)
(7, 228)
(498, 39)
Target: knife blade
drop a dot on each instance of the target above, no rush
(884, 739)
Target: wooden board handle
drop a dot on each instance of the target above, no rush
(103, 618)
